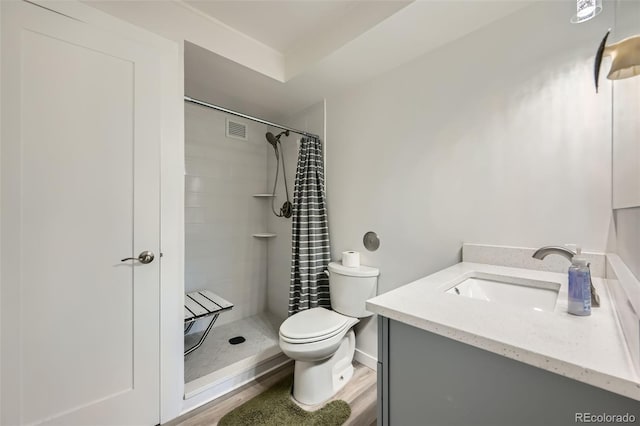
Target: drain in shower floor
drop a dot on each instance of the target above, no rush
(237, 340)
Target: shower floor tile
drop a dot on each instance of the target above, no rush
(216, 353)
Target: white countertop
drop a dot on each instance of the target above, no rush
(588, 349)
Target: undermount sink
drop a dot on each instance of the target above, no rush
(506, 290)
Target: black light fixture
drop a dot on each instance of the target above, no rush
(625, 58)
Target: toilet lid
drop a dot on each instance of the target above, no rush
(313, 324)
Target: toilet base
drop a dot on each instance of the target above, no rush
(316, 381)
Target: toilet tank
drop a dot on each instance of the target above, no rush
(351, 287)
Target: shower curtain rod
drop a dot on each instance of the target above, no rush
(248, 117)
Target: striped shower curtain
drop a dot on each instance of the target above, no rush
(310, 232)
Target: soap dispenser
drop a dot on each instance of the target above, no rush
(579, 285)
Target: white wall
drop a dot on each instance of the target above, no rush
(496, 138)
(178, 21)
(221, 214)
(310, 120)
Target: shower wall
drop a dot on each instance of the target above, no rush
(221, 214)
(310, 120)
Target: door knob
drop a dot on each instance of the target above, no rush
(144, 257)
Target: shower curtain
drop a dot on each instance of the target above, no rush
(310, 232)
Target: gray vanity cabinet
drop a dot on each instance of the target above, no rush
(427, 379)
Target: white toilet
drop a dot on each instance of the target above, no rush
(322, 342)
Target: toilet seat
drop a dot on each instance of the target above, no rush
(314, 325)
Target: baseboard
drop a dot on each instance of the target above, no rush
(366, 360)
(203, 396)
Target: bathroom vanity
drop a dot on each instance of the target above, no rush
(484, 344)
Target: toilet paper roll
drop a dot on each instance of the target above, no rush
(351, 259)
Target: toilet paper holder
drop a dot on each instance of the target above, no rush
(371, 241)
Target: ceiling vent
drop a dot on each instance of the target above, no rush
(236, 130)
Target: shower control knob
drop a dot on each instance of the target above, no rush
(144, 257)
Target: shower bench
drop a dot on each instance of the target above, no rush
(202, 304)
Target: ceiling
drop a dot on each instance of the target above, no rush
(273, 58)
(286, 26)
(411, 31)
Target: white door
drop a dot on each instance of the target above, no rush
(79, 192)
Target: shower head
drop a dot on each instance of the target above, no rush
(273, 140)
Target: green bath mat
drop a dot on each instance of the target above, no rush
(274, 407)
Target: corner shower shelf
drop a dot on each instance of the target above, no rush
(263, 195)
(264, 235)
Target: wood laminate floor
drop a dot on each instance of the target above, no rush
(359, 393)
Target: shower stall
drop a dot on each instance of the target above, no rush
(238, 187)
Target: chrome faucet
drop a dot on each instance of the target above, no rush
(543, 252)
